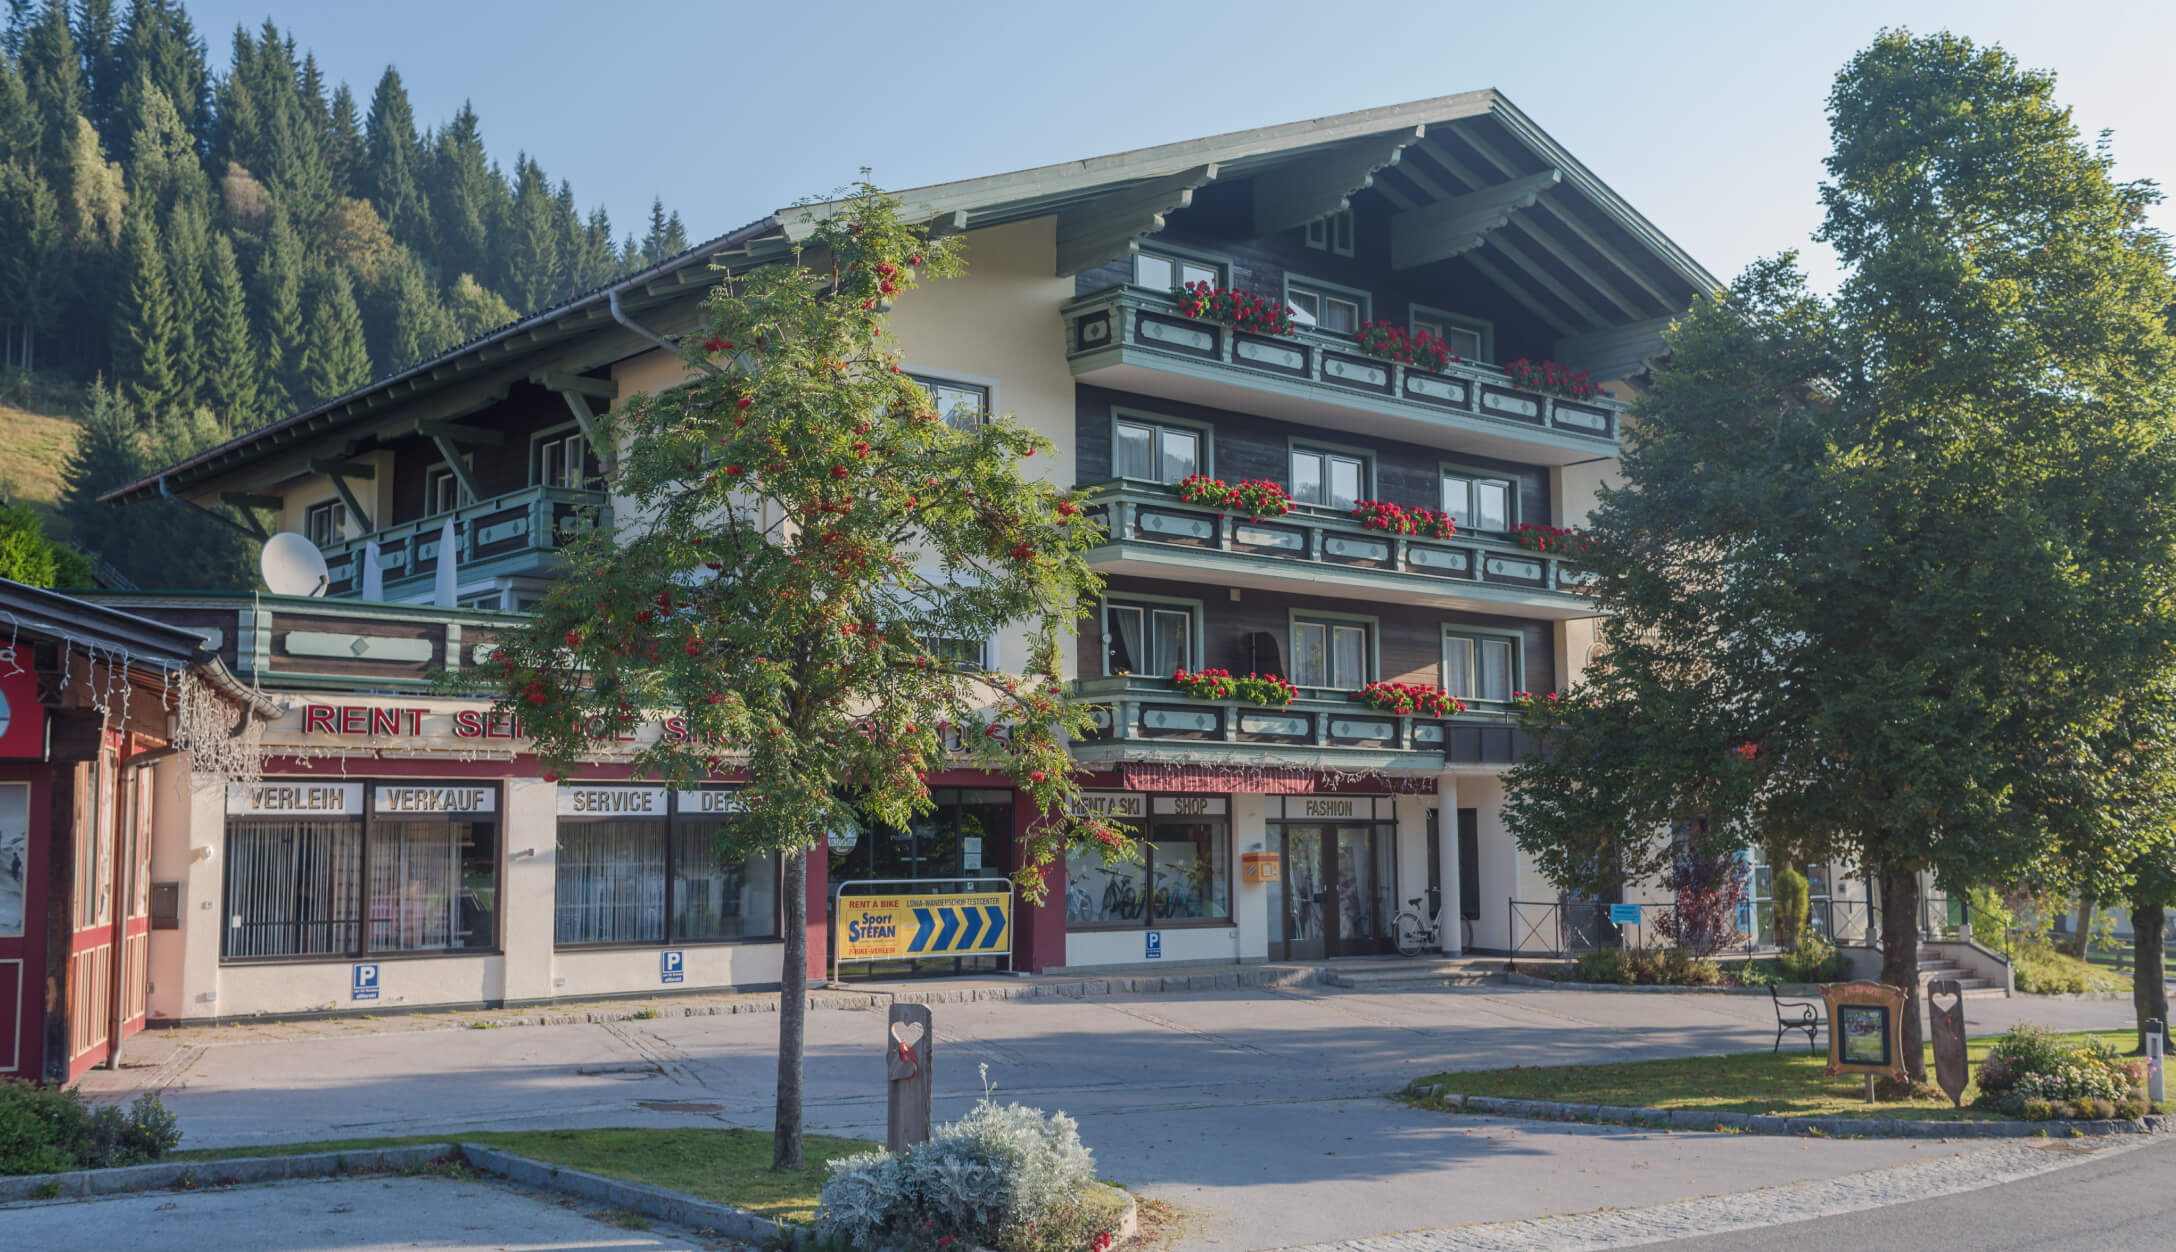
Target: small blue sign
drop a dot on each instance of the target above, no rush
(669, 966)
(365, 984)
(1624, 914)
(1155, 945)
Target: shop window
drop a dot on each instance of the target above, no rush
(1153, 640)
(559, 461)
(295, 879)
(1183, 876)
(964, 406)
(1479, 667)
(1330, 654)
(14, 856)
(1333, 480)
(1164, 271)
(966, 834)
(655, 879)
(1155, 451)
(325, 523)
(1478, 502)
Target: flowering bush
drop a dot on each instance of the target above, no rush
(1219, 684)
(2032, 1072)
(1256, 497)
(1237, 308)
(1400, 519)
(1392, 342)
(988, 1175)
(1396, 697)
(1555, 539)
(1554, 379)
(1705, 892)
(1527, 701)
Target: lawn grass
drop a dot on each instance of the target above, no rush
(728, 1166)
(38, 446)
(2042, 970)
(1786, 1084)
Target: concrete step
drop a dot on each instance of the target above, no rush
(1419, 972)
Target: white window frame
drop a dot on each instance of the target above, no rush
(559, 436)
(1180, 260)
(1370, 648)
(1149, 605)
(440, 471)
(1203, 433)
(1473, 637)
(1298, 448)
(1471, 477)
(335, 511)
(1481, 329)
(928, 379)
(1332, 233)
(1363, 302)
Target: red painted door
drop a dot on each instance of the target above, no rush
(134, 907)
(92, 951)
(24, 809)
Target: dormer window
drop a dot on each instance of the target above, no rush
(1332, 233)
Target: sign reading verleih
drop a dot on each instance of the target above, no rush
(888, 927)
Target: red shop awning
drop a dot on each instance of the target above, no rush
(1262, 780)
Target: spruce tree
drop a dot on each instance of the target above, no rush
(460, 196)
(532, 253)
(97, 43)
(230, 353)
(405, 321)
(343, 142)
(158, 43)
(279, 315)
(334, 359)
(475, 308)
(188, 247)
(21, 13)
(31, 260)
(391, 155)
(107, 454)
(53, 86)
(144, 332)
(667, 236)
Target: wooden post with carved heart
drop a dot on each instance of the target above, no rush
(908, 1043)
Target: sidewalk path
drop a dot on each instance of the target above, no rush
(1260, 1108)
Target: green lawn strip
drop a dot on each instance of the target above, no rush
(727, 1166)
(1787, 1084)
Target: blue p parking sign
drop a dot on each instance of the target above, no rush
(1155, 945)
(669, 966)
(365, 984)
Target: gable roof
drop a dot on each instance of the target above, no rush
(1468, 174)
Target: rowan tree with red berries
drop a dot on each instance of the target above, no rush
(796, 527)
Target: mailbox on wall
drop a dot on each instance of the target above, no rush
(1259, 867)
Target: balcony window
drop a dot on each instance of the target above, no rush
(1332, 233)
(559, 461)
(964, 406)
(442, 492)
(1162, 271)
(966, 654)
(1479, 667)
(1331, 479)
(325, 523)
(1330, 654)
(1155, 452)
(1470, 339)
(1153, 640)
(1331, 310)
(1476, 502)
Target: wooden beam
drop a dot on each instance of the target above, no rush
(602, 388)
(248, 500)
(1450, 227)
(1518, 256)
(587, 420)
(1528, 228)
(1106, 227)
(1518, 292)
(1317, 186)
(341, 468)
(457, 433)
(354, 506)
(458, 466)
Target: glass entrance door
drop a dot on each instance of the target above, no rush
(1333, 896)
(1362, 890)
(1306, 893)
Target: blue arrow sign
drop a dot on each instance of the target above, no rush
(997, 925)
(973, 918)
(924, 924)
(951, 927)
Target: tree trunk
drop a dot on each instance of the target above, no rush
(792, 1012)
(2149, 980)
(2079, 940)
(1900, 958)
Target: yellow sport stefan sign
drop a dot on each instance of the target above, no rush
(887, 927)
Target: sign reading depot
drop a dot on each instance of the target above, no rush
(886, 927)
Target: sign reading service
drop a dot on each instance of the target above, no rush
(586, 801)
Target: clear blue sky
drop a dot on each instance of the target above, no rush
(1708, 117)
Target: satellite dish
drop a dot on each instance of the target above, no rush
(293, 566)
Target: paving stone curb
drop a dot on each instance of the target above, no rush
(189, 1175)
(1788, 989)
(675, 1207)
(1765, 1124)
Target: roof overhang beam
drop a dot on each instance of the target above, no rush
(1460, 224)
(1319, 185)
(1111, 226)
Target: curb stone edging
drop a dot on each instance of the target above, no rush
(1768, 1124)
(83, 1183)
(1799, 989)
(676, 1207)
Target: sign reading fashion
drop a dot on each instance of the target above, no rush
(274, 798)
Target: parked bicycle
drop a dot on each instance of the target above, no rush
(1414, 931)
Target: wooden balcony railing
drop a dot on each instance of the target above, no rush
(505, 533)
(1131, 710)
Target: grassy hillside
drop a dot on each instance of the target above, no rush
(34, 445)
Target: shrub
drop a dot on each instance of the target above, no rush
(1603, 965)
(2041, 970)
(1792, 905)
(1680, 968)
(44, 1130)
(2030, 1069)
(996, 1170)
(1813, 961)
(1706, 891)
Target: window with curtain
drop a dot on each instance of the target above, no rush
(1479, 667)
(293, 887)
(611, 882)
(1331, 479)
(1326, 309)
(1330, 654)
(1468, 340)
(1155, 452)
(1477, 502)
(1154, 640)
(716, 896)
(433, 885)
